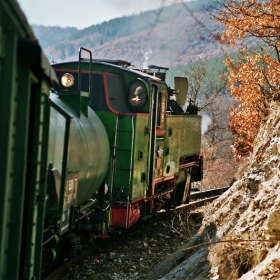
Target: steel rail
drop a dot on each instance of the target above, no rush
(208, 193)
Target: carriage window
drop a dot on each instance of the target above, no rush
(56, 144)
(116, 92)
(137, 95)
(161, 109)
(56, 150)
(97, 100)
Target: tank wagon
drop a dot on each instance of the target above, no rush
(121, 148)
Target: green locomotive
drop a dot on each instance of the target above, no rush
(128, 149)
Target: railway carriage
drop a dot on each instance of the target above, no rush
(25, 81)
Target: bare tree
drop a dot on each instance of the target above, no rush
(214, 103)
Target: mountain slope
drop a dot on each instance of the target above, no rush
(50, 35)
(175, 34)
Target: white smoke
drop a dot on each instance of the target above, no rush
(146, 55)
(206, 121)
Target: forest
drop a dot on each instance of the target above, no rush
(169, 36)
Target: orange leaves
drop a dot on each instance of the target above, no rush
(255, 78)
(240, 18)
(244, 124)
(248, 82)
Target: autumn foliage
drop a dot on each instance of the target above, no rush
(254, 79)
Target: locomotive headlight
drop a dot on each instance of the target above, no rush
(67, 80)
(137, 96)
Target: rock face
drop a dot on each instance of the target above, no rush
(248, 215)
(246, 219)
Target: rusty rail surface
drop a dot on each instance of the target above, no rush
(208, 193)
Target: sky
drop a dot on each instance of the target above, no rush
(84, 13)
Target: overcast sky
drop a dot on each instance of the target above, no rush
(84, 13)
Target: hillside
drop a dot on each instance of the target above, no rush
(173, 35)
(250, 212)
(50, 35)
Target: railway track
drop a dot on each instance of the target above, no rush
(197, 198)
(208, 193)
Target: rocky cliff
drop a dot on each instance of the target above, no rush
(240, 234)
(247, 217)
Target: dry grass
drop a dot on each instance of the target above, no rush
(185, 223)
(234, 258)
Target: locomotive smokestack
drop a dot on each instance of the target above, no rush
(159, 71)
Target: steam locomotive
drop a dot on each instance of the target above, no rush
(121, 148)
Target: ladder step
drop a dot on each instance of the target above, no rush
(124, 169)
(127, 131)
